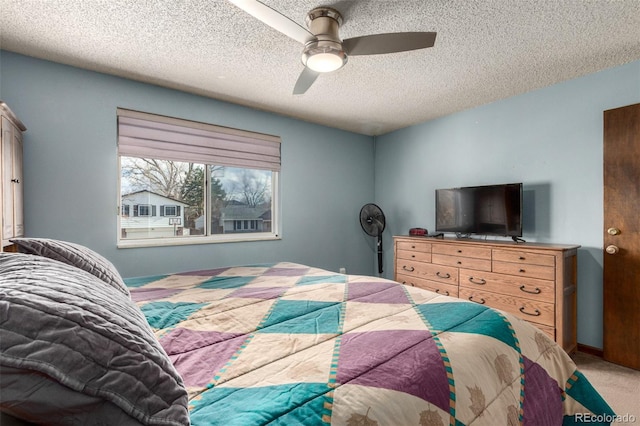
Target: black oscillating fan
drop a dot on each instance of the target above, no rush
(373, 222)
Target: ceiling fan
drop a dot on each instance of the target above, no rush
(324, 51)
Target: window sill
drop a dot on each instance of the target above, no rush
(183, 241)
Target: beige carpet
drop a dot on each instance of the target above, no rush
(619, 386)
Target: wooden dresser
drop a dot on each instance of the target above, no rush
(535, 281)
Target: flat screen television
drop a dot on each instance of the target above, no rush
(484, 210)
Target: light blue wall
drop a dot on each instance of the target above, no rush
(70, 171)
(549, 139)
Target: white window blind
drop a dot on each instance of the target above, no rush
(164, 138)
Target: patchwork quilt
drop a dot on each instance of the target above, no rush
(288, 344)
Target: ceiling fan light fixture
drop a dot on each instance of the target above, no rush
(324, 58)
(325, 52)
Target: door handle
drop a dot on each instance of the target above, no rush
(611, 249)
(613, 231)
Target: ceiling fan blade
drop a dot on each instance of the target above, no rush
(275, 19)
(388, 43)
(306, 79)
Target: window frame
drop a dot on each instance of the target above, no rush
(272, 235)
(207, 238)
(175, 208)
(139, 207)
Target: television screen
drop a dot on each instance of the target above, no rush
(486, 210)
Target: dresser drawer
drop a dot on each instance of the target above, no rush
(530, 310)
(462, 262)
(524, 257)
(422, 246)
(437, 287)
(524, 270)
(420, 256)
(427, 271)
(529, 288)
(462, 250)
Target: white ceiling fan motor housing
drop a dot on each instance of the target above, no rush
(325, 53)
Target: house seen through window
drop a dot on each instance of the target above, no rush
(225, 191)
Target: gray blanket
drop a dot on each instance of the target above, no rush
(61, 326)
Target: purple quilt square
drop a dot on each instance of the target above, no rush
(402, 360)
(542, 396)
(206, 272)
(258, 292)
(376, 292)
(149, 294)
(199, 355)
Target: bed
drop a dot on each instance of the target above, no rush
(277, 344)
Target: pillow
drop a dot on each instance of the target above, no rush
(75, 255)
(64, 330)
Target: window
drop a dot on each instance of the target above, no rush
(183, 182)
(169, 210)
(245, 225)
(143, 210)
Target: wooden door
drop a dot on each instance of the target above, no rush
(622, 236)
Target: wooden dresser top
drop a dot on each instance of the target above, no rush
(492, 243)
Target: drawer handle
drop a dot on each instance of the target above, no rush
(459, 262)
(482, 301)
(522, 258)
(413, 256)
(536, 291)
(522, 271)
(410, 269)
(459, 251)
(445, 276)
(446, 293)
(480, 281)
(536, 313)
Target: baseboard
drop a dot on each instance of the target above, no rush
(590, 350)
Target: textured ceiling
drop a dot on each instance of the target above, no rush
(484, 51)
